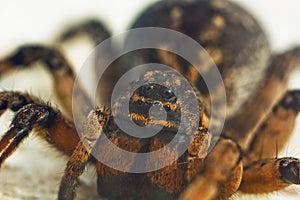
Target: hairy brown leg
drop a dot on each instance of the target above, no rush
(96, 32)
(16, 100)
(242, 126)
(46, 121)
(274, 133)
(93, 29)
(77, 162)
(13, 101)
(226, 156)
(270, 175)
(61, 71)
(266, 175)
(221, 165)
(263, 171)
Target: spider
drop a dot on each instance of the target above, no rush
(260, 118)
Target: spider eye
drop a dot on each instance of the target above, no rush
(167, 107)
(173, 99)
(148, 86)
(169, 95)
(167, 91)
(139, 101)
(149, 102)
(158, 103)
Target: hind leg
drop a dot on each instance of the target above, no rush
(243, 125)
(59, 68)
(275, 132)
(96, 32)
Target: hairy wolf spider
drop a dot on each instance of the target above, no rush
(260, 119)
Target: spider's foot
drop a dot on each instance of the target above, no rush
(270, 175)
(15, 100)
(289, 170)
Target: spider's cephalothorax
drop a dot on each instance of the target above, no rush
(260, 119)
(157, 184)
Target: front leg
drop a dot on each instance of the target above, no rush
(92, 130)
(36, 116)
(221, 174)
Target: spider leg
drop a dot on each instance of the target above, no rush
(224, 178)
(96, 32)
(242, 126)
(222, 165)
(77, 162)
(263, 171)
(46, 122)
(13, 101)
(269, 175)
(93, 29)
(58, 67)
(262, 176)
(274, 133)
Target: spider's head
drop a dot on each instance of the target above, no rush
(170, 106)
(151, 99)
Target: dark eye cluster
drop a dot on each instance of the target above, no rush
(158, 97)
(155, 94)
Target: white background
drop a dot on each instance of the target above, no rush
(34, 21)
